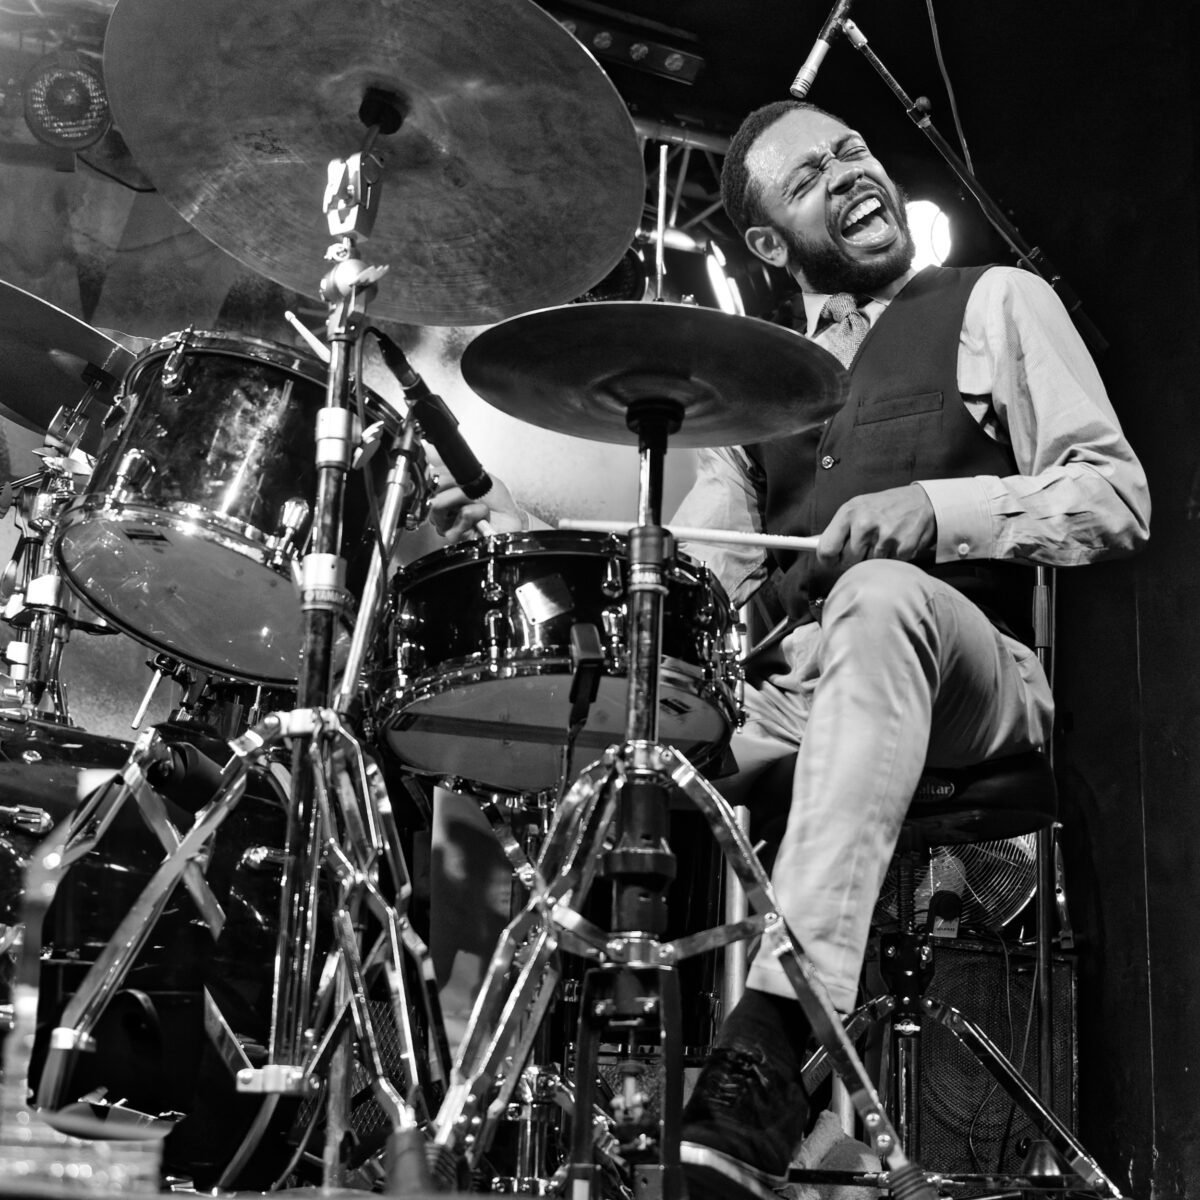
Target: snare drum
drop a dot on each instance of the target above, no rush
(476, 675)
(199, 509)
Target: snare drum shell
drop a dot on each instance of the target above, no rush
(452, 704)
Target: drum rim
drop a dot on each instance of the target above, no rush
(224, 342)
(512, 545)
(233, 535)
(675, 673)
(214, 664)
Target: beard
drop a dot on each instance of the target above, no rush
(826, 267)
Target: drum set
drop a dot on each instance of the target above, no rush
(227, 945)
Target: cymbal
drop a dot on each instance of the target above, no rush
(514, 181)
(43, 353)
(577, 369)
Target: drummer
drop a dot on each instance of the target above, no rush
(977, 439)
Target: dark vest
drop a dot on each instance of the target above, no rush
(904, 420)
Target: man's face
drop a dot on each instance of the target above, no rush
(836, 220)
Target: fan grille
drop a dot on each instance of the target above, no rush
(996, 880)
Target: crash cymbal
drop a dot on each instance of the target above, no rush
(514, 181)
(577, 369)
(43, 353)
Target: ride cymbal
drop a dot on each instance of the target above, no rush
(515, 179)
(578, 370)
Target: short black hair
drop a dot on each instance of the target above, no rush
(741, 195)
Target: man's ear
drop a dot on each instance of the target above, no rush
(765, 242)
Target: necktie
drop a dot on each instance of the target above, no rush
(845, 326)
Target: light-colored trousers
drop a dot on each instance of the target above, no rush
(902, 670)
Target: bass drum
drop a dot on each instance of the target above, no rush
(151, 1046)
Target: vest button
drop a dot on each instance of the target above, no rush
(827, 461)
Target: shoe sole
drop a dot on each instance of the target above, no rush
(712, 1175)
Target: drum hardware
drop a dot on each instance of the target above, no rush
(613, 820)
(220, 707)
(358, 835)
(37, 604)
(340, 820)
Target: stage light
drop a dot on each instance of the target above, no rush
(66, 105)
(724, 287)
(930, 231)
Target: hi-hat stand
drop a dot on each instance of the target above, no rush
(614, 822)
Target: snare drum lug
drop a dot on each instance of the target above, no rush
(613, 620)
(612, 586)
(494, 621)
(135, 469)
(408, 654)
(493, 593)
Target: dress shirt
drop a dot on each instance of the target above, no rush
(1028, 379)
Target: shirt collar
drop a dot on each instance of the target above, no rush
(815, 301)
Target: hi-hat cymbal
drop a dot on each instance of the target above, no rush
(514, 181)
(43, 354)
(578, 369)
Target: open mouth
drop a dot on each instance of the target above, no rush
(866, 223)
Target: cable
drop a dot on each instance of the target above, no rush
(115, 178)
(937, 49)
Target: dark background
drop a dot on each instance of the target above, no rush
(1081, 119)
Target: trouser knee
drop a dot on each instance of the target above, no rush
(882, 591)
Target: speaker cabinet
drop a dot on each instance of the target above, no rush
(968, 1122)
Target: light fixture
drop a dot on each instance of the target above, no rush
(930, 228)
(724, 287)
(66, 105)
(628, 41)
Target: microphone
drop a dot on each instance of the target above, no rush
(816, 56)
(186, 776)
(437, 422)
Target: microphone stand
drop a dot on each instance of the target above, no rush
(1030, 257)
(1036, 261)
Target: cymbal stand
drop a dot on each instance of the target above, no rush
(333, 796)
(37, 603)
(614, 821)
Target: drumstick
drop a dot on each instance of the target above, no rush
(315, 344)
(732, 537)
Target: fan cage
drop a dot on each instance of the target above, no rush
(995, 879)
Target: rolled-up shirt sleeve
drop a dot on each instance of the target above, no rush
(1082, 493)
(724, 496)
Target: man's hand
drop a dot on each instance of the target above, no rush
(898, 523)
(455, 517)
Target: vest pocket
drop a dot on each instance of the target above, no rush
(891, 407)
